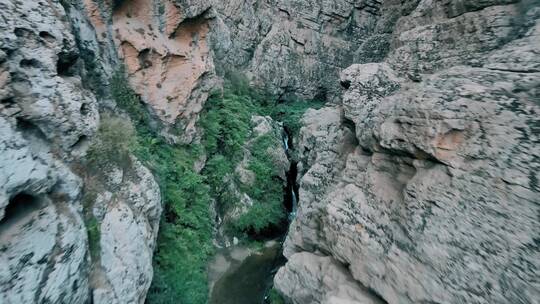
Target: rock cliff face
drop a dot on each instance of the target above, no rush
(418, 184)
(422, 185)
(47, 120)
(164, 47)
(292, 48)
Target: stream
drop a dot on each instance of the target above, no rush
(243, 275)
(249, 275)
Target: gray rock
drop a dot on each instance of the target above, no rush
(47, 120)
(128, 233)
(308, 278)
(291, 48)
(438, 200)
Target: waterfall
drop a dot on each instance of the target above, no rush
(285, 139)
(291, 196)
(292, 215)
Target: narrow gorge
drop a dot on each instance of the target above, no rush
(269, 151)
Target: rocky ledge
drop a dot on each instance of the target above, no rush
(422, 185)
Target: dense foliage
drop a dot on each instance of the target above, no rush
(274, 297)
(267, 191)
(185, 240)
(226, 122)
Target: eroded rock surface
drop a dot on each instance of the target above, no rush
(437, 202)
(45, 117)
(47, 120)
(292, 48)
(164, 47)
(128, 210)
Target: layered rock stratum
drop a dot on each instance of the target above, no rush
(418, 184)
(47, 118)
(422, 185)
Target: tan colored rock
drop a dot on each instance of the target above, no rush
(164, 66)
(167, 56)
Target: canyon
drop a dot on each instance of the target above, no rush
(269, 151)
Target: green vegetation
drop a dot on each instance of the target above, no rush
(184, 243)
(275, 298)
(267, 191)
(226, 122)
(290, 113)
(128, 100)
(92, 227)
(185, 239)
(112, 145)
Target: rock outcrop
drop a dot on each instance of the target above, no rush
(164, 47)
(47, 121)
(419, 184)
(129, 209)
(436, 199)
(291, 49)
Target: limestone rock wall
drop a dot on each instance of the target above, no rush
(164, 47)
(436, 199)
(292, 48)
(47, 120)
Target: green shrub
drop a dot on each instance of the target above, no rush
(290, 113)
(184, 243)
(226, 122)
(93, 230)
(267, 191)
(275, 298)
(112, 144)
(127, 99)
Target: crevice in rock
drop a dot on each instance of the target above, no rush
(81, 143)
(19, 207)
(22, 32)
(66, 62)
(27, 127)
(8, 101)
(346, 84)
(47, 36)
(290, 199)
(29, 63)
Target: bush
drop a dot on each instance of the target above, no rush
(227, 123)
(126, 99)
(112, 145)
(93, 230)
(185, 239)
(290, 113)
(274, 297)
(267, 191)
